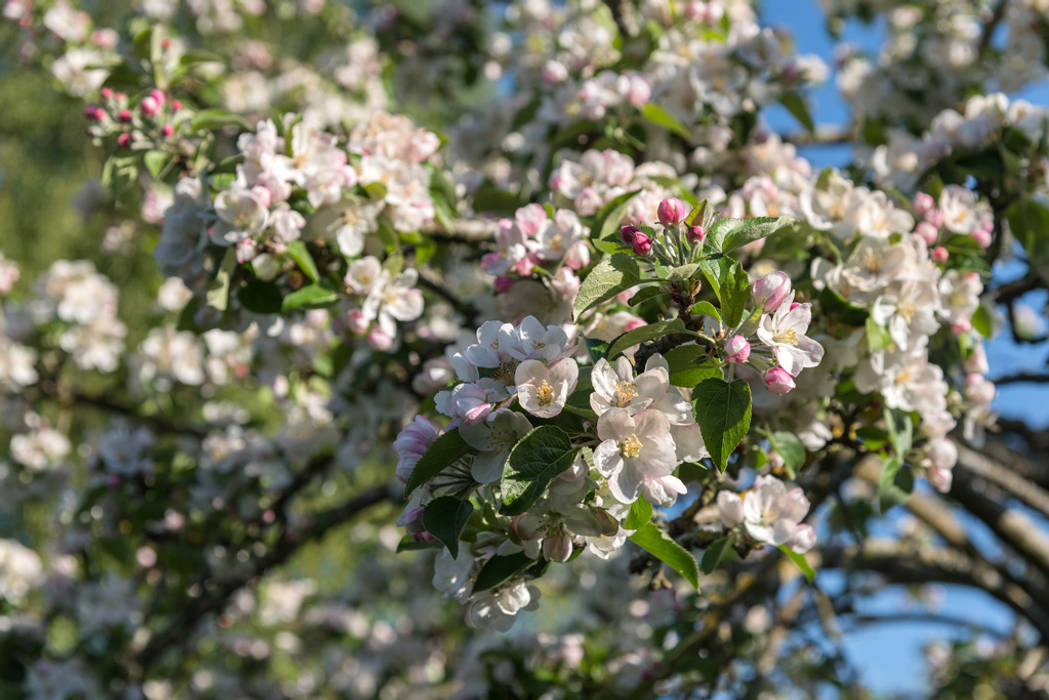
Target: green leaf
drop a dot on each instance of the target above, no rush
(608, 218)
(217, 295)
(714, 553)
(983, 322)
(659, 116)
(790, 449)
(660, 545)
(800, 561)
(498, 569)
(608, 278)
(311, 296)
(540, 456)
(643, 333)
(722, 410)
(725, 235)
(888, 495)
(795, 104)
(445, 450)
(901, 431)
(640, 513)
(211, 119)
(445, 518)
(301, 255)
(155, 162)
(691, 364)
(408, 543)
(878, 337)
(1029, 222)
(705, 308)
(731, 286)
(260, 297)
(682, 273)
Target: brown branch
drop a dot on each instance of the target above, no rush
(1024, 490)
(1022, 378)
(314, 528)
(902, 564)
(465, 231)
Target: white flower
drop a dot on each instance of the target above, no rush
(532, 340)
(20, 571)
(773, 514)
(619, 388)
(363, 274)
(635, 454)
(493, 437)
(451, 576)
(908, 309)
(240, 215)
(784, 332)
(394, 299)
(542, 390)
(39, 449)
(498, 609)
(347, 222)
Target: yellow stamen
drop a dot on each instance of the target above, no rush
(631, 447)
(545, 393)
(624, 393)
(788, 336)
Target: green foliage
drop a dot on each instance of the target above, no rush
(722, 410)
(663, 547)
(535, 460)
(444, 451)
(445, 518)
(609, 277)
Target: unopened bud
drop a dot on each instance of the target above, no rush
(737, 349)
(671, 211)
(779, 381)
(771, 290)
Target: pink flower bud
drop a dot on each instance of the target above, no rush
(176, 105)
(158, 95)
(149, 106)
(90, 110)
(927, 232)
(940, 254)
(779, 381)
(634, 323)
(124, 140)
(120, 96)
(961, 326)
(771, 290)
(125, 115)
(503, 284)
(737, 349)
(357, 322)
(106, 93)
(627, 234)
(524, 266)
(262, 194)
(247, 249)
(934, 217)
(555, 72)
(379, 339)
(982, 237)
(695, 234)
(168, 130)
(642, 244)
(672, 211)
(491, 262)
(578, 255)
(923, 203)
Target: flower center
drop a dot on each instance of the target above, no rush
(903, 376)
(907, 310)
(545, 393)
(787, 337)
(624, 393)
(630, 447)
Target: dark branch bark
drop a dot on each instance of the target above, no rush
(317, 525)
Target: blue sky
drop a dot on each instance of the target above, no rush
(889, 657)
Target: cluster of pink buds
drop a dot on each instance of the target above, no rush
(116, 115)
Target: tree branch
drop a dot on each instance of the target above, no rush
(316, 526)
